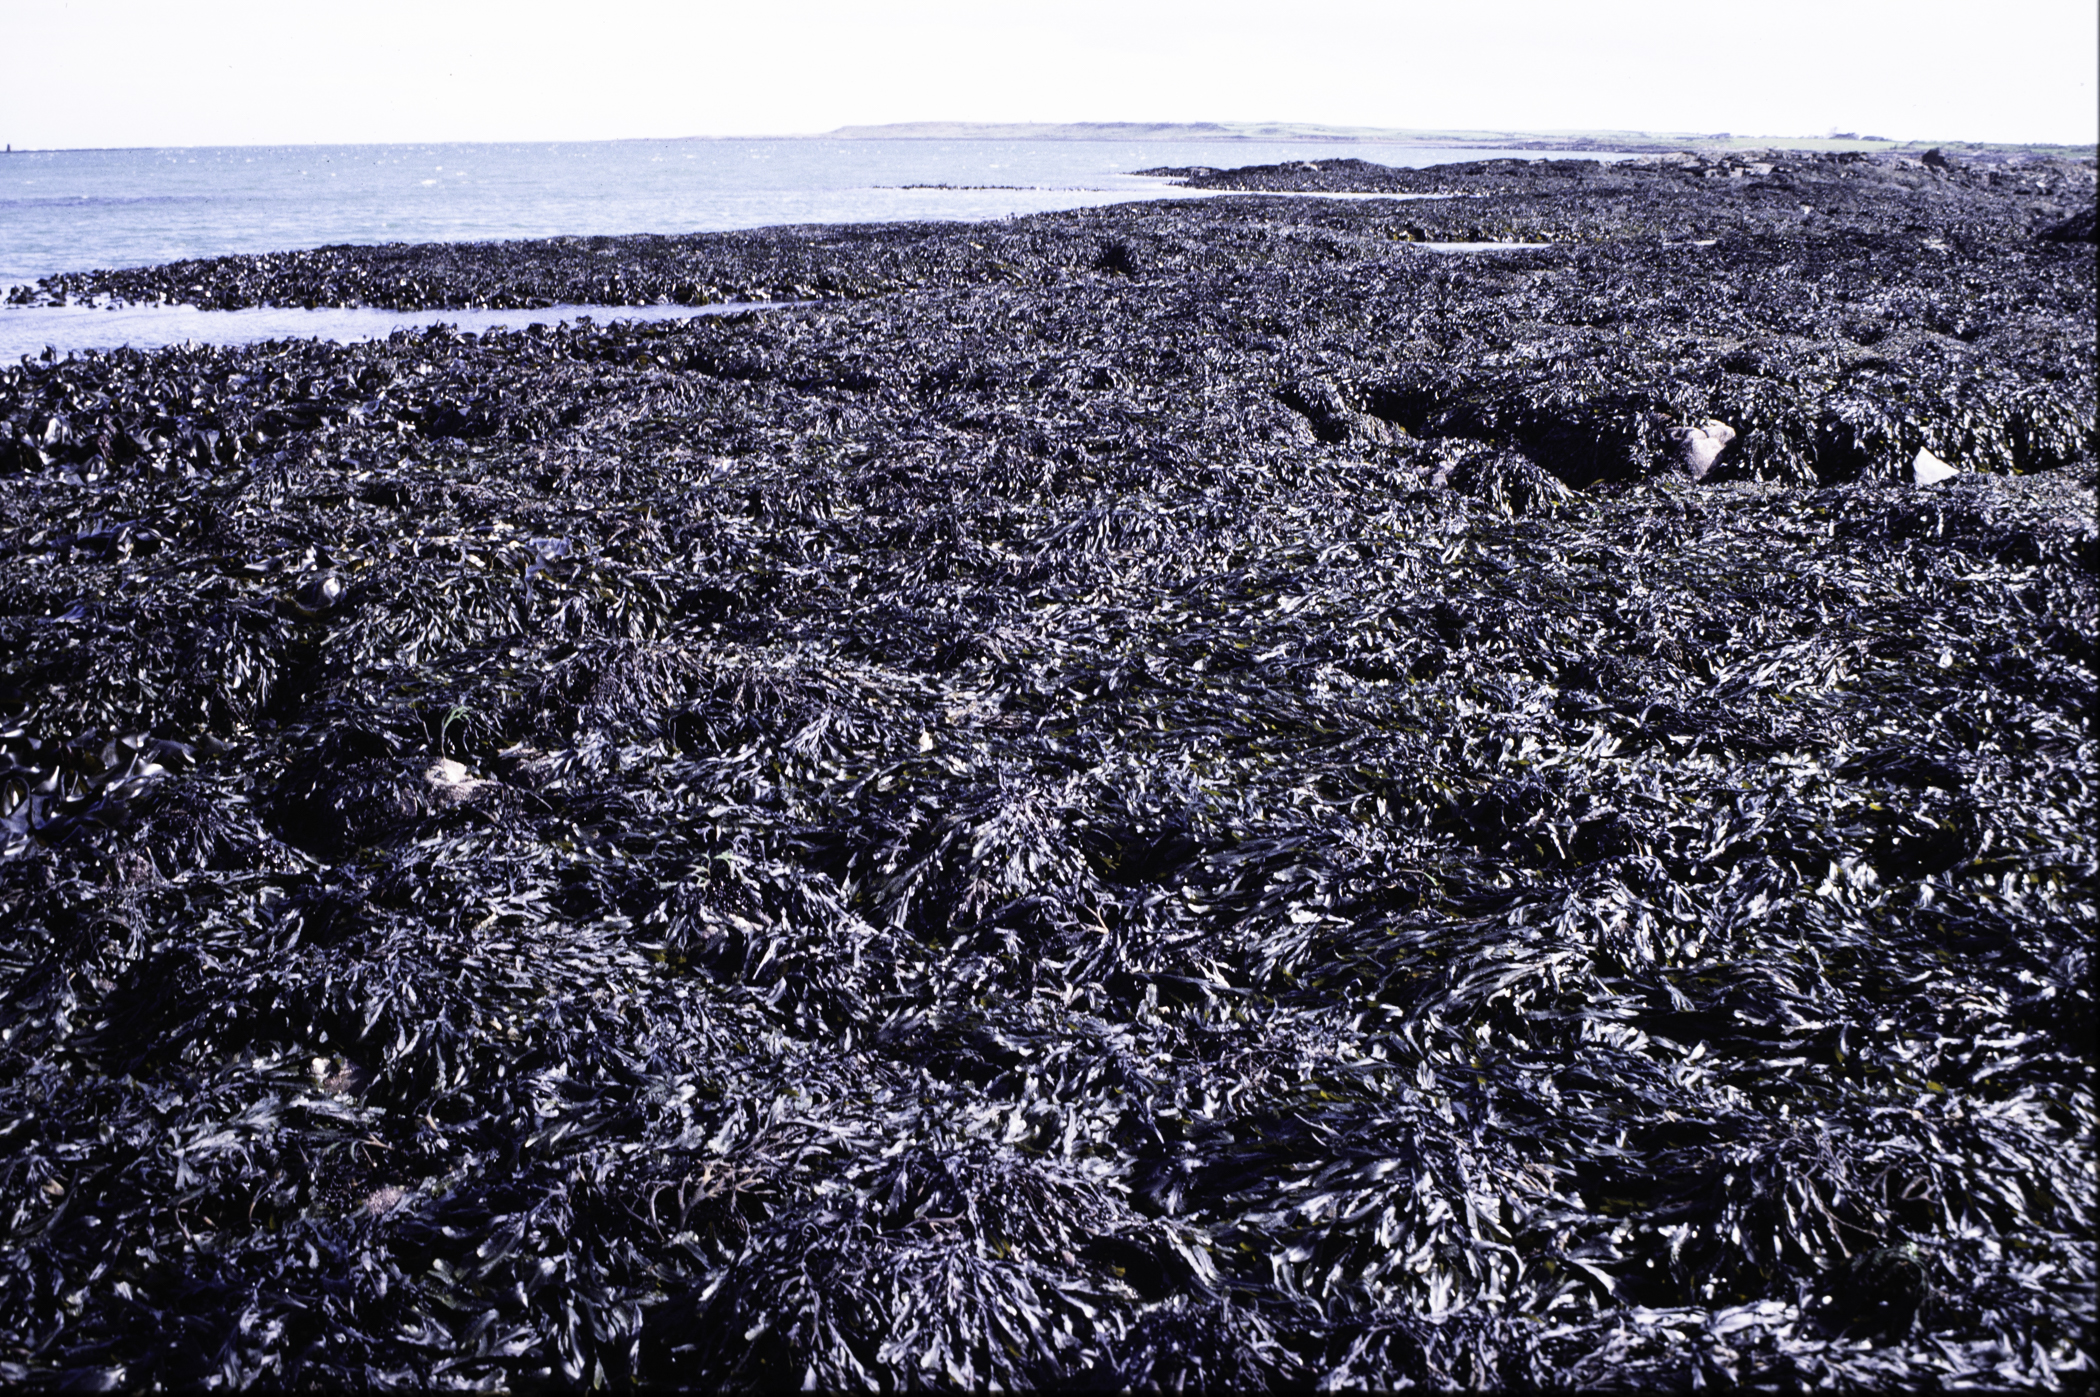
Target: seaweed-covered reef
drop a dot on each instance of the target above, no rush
(1181, 794)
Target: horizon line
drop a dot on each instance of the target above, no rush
(1250, 132)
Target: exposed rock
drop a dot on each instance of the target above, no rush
(1698, 448)
(1928, 469)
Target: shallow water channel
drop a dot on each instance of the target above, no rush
(62, 329)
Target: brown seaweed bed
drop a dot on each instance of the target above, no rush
(1189, 794)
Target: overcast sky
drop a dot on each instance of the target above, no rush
(253, 72)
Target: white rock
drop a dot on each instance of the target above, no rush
(1929, 469)
(1699, 447)
(450, 781)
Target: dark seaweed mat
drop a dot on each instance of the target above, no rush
(1017, 833)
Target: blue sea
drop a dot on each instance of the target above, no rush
(77, 210)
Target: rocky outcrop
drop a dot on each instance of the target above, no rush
(1699, 448)
(1928, 469)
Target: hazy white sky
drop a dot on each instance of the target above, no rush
(249, 72)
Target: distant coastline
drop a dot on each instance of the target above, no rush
(1572, 141)
(1638, 142)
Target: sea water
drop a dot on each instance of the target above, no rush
(30, 330)
(77, 210)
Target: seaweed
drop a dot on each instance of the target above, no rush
(1192, 794)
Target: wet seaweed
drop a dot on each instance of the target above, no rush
(1228, 812)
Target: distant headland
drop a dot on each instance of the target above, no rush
(1632, 141)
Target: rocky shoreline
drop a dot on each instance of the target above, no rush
(1184, 793)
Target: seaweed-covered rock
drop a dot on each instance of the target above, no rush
(1509, 480)
(2080, 227)
(1331, 416)
(1232, 813)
